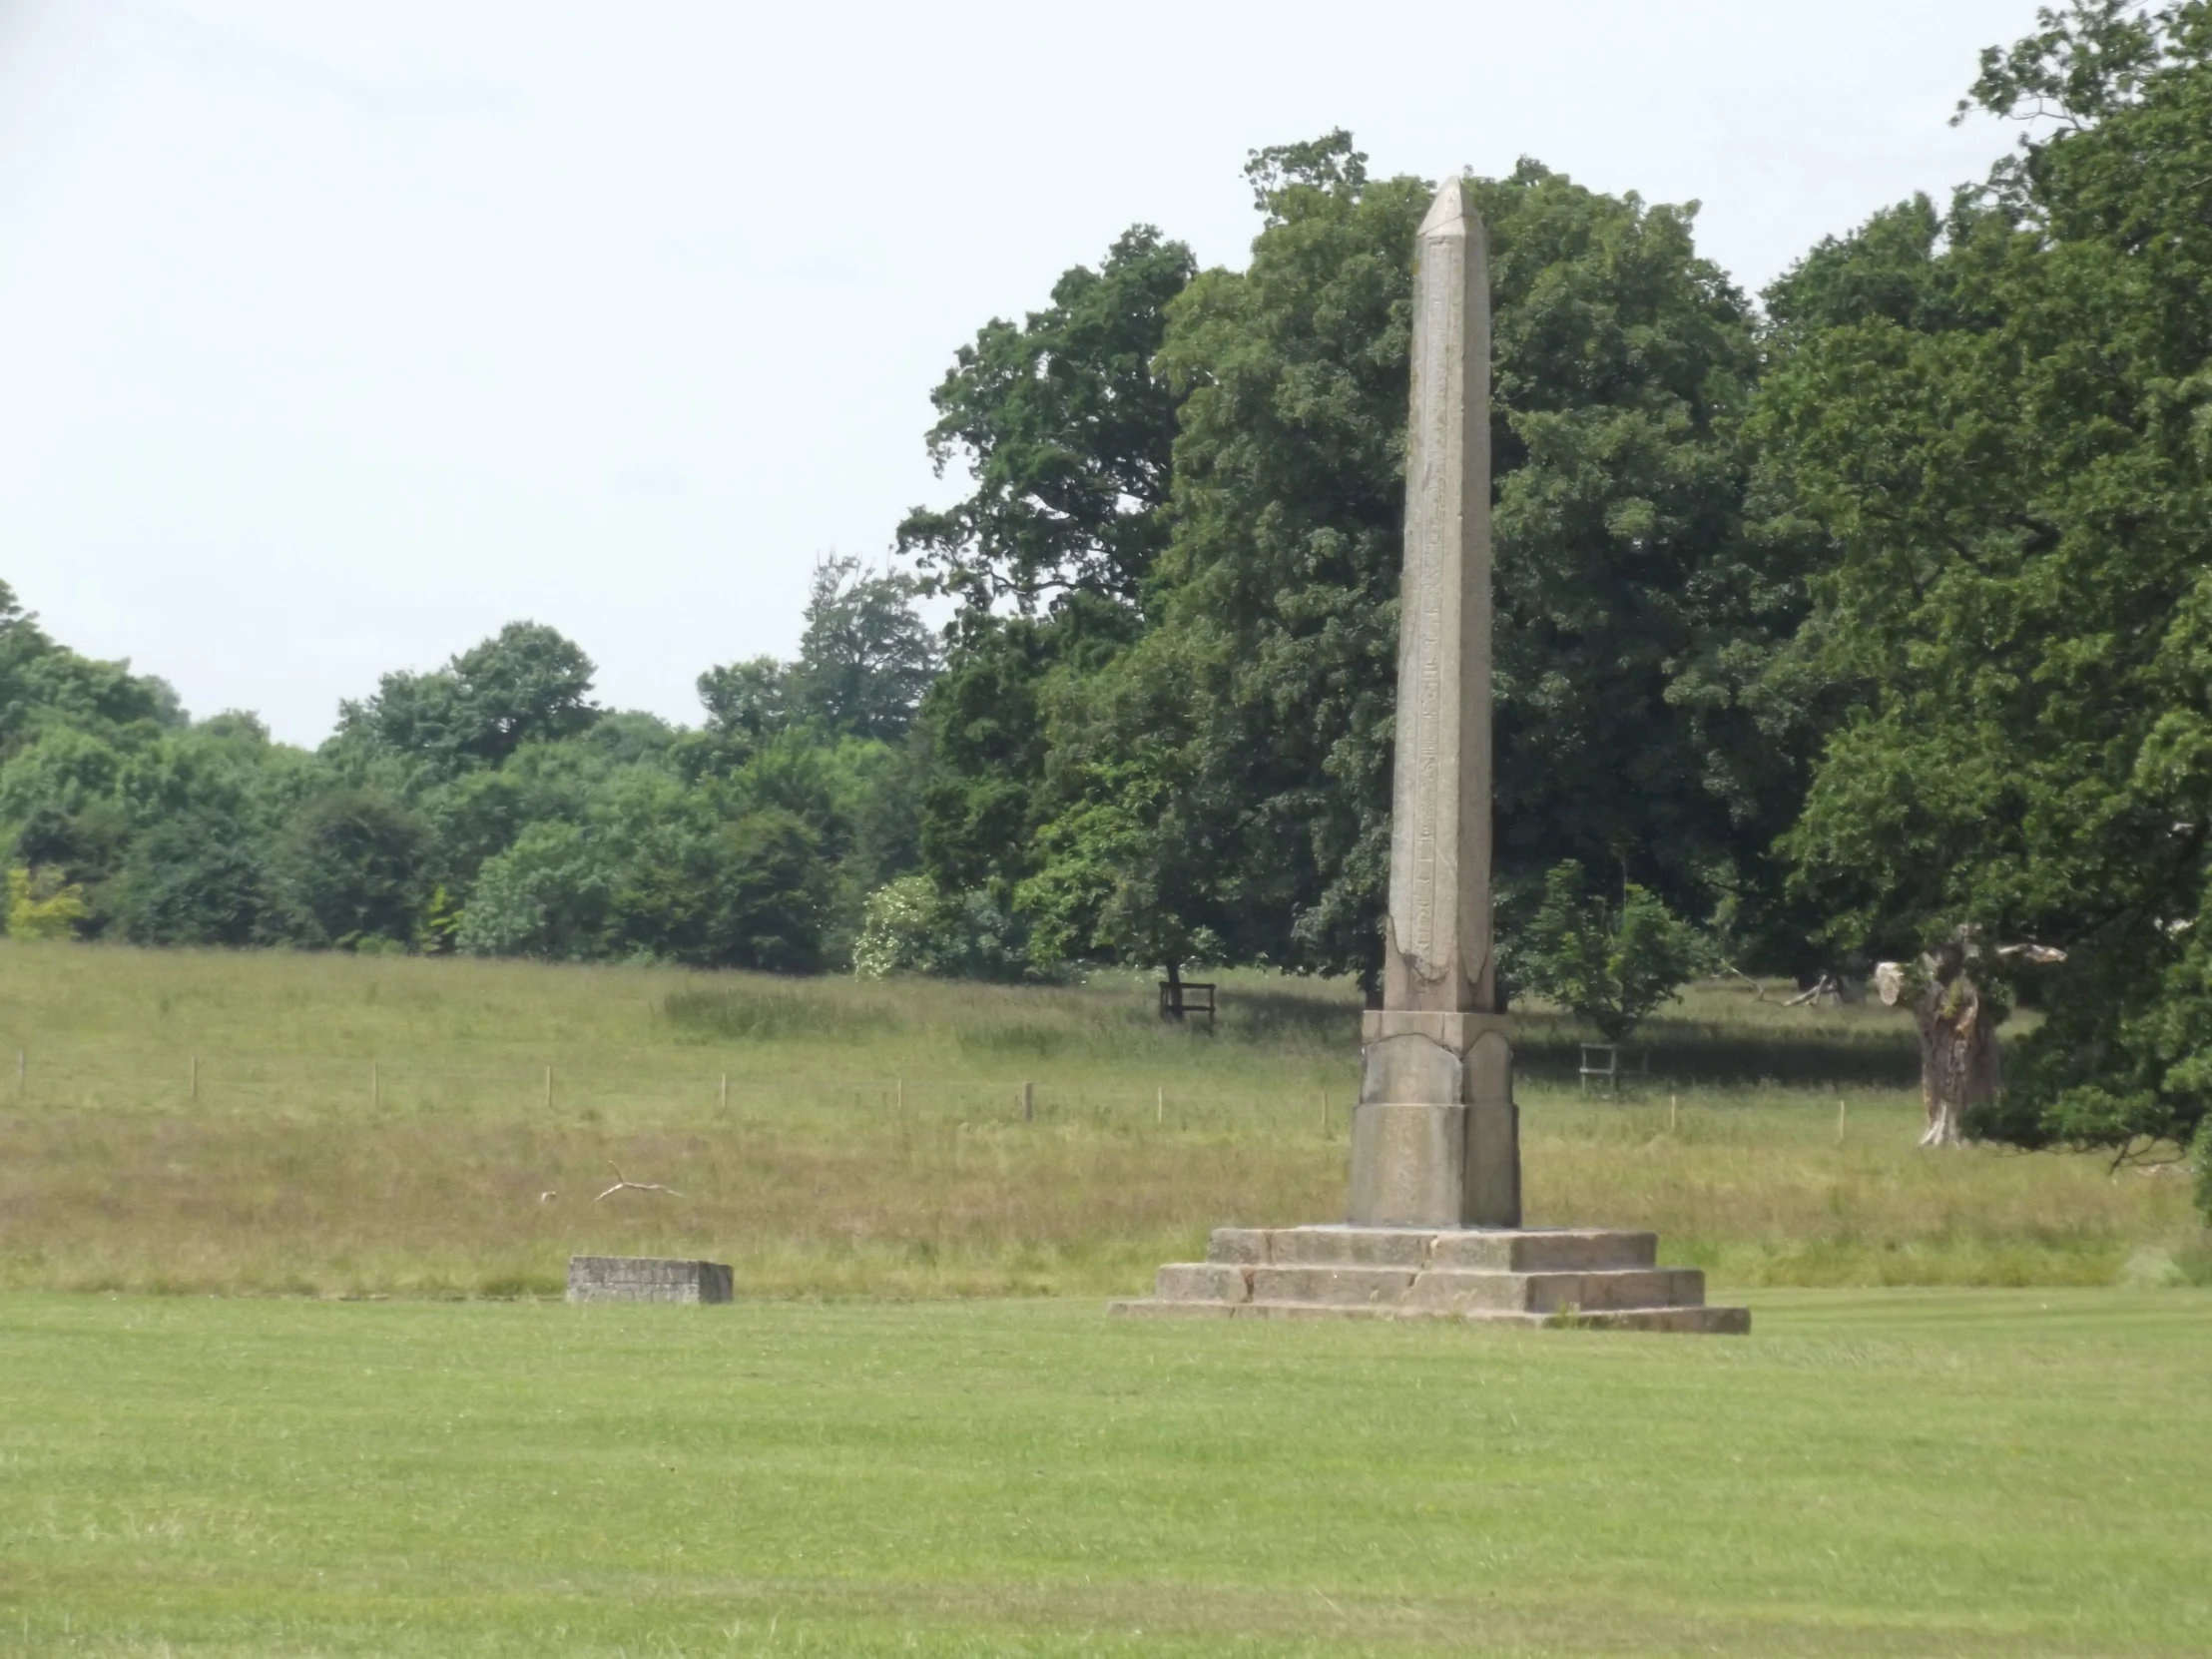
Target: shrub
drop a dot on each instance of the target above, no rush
(41, 905)
(908, 926)
(1611, 966)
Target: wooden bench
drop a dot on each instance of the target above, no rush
(1183, 998)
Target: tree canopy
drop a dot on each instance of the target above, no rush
(1999, 422)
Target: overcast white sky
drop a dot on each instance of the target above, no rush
(333, 335)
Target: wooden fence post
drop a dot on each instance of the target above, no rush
(375, 1087)
(196, 1077)
(549, 1088)
(1029, 1103)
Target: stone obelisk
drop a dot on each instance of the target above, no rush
(1434, 1140)
(1434, 1225)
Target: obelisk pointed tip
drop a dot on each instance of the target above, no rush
(1449, 213)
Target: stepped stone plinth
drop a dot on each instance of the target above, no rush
(1497, 1276)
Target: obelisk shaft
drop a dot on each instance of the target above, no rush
(1438, 956)
(1435, 1139)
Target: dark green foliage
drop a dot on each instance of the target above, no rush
(1127, 866)
(487, 806)
(351, 867)
(864, 657)
(1067, 429)
(1612, 966)
(989, 736)
(2001, 425)
(747, 699)
(1632, 607)
(194, 881)
(864, 660)
(768, 892)
(525, 684)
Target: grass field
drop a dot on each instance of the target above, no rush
(333, 1125)
(1956, 1472)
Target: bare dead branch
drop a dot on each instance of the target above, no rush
(623, 1184)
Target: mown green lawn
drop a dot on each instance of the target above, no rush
(1970, 1472)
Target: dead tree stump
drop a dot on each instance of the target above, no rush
(1960, 1066)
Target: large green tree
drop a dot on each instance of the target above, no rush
(1632, 606)
(2001, 421)
(1066, 431)
(526, 683)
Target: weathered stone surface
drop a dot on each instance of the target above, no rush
(1491, 1192)
(1438, 943)
(1455, 1031)
(1538, 1250)
(1549, 1292)
(1436, 1138)
(1454, 1290)
(1460, 1290)
(1729, 1321)
(1201, 1282)
(1337, 1286)
(1408, 1165)
(647, 1279)
(1247, 1245)
(1602, 1279)
(1375, 1247)
(1410, 1070)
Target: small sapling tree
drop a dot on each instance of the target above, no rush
(1611, 966)
(42, 904)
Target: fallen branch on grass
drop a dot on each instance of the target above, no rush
(1759, 992)
(1826, 987)
(624, 1184)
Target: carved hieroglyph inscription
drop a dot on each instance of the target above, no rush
(1428, 573)
(1439, 841)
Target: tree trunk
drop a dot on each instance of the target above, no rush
(1959, 1063)
(1171, 1004)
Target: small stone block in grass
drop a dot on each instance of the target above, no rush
(647, 1279)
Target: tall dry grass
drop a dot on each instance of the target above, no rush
(368, 1126)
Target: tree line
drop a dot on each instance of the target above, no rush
(1871, 618)
(489, 807)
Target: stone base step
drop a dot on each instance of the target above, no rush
(1601, 1278)
(1730, 1322)
(1483, 1248)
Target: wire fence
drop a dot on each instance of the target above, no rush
(230, 1085)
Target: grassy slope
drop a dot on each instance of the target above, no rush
(1902, 1472)
(872, 1142)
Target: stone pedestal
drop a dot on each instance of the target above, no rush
(1436, 1138)
(1600, 1278)
(647, 1279)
